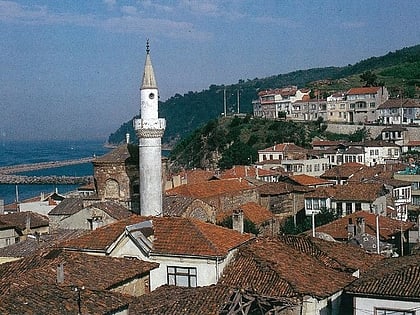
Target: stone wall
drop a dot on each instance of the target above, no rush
(413, 132)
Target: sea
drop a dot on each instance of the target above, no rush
(24, 152)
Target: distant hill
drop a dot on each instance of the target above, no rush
(399, 70)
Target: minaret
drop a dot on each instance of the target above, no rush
(150, 129)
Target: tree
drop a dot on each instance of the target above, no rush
(369, 78)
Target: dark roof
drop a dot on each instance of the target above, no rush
(31, 245)
(19, 219)
(277, 267)
(54, 299)
(395, 278)
(176, 205)
(79, 269)
(281, 188)
(213, 299)
(366, 192)
(343, 171)
(68, 206)
(125, 153)
(400, 103)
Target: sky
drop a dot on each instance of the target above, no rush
(72, 69)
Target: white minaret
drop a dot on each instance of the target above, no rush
(150, 129)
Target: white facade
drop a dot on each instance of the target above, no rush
(150, 129)
(381, 154)
(366, 305)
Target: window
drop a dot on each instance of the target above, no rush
(349, 207)
(308, 204)
(182, 276)
(340, 209)
(323, 203)
(372, 105)
(380, 311)
(358, 206)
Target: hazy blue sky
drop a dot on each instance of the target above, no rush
(72, 68)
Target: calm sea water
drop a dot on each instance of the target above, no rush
(22, 152)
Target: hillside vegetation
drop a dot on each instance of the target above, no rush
(223, 142)
(399, 71)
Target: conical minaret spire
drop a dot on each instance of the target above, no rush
(150, 129)
(149, 81)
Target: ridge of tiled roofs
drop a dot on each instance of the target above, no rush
(243, 171)
(327, 142)
(283, 147)
(279, 269)
(392, 277)
(387, 226)
(211, 188)
(413, 143)
(19, 219)
(307, 180)
(377, 143)
(68, 206)
(363, 90)
(188, 236)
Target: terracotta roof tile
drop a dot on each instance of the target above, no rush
(395, 278)
(367, 192)
(19, 219)
(172, 235)
(306, 180)
(363, 90)
(284, 147)
(256, 213)
(343, 171)
(211, 188)
(273, 267)
(281, 188)
(398, 103)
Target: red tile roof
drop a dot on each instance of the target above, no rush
(284, 147)
(363, 90)
(387, 226)
(172, 236)
(400, 103)
(306, 180)
(343, 171)
(242, 171)
(19, 219)
(211, 188)
(252, 211)
(364, 192)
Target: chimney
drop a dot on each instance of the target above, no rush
(28, 222)
(238, 220)
(360, 225)
(60, 273)
(350, 229)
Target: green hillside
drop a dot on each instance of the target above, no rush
(399, 71)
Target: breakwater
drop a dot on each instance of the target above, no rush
(8, 173)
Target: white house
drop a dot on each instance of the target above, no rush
(189, 252)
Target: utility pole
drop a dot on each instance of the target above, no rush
(313, 223)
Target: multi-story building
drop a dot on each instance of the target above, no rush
(399, 111)
(363, 103)
(337, 108)
(277, 103)
(309, 110)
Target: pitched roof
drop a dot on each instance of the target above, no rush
(281, 188)
(242, 171)
(364, 192)
(171, 236)
(80, 269)
(363, 90)
(387, 226)
(395, 278)
(29, 246)
(343, 171)
(113, 209)
(252, 211)
(68, 206)
(176, 205)
(273, 267)
(19, 219)
(211, 188)
(400, 103)
(121, 154)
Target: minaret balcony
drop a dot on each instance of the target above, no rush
(150, 128)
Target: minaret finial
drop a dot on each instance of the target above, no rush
(147, 47)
